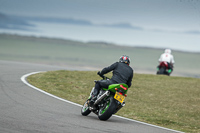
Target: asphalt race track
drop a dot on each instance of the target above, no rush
(26, 110)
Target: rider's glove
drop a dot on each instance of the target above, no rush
(99, 73)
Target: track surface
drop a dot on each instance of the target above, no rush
(25, 110)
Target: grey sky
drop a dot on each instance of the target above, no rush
(169, 16)
(151, 14)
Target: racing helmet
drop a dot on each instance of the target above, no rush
(125, 59)
(168, 51)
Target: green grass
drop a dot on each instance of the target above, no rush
(171, 102)
(96, 55)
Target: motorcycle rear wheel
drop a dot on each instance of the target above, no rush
(108, 109)
(85, 109)
(161, 71)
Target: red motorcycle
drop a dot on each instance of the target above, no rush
(164, 68)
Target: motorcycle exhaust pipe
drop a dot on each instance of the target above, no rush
(107, 93)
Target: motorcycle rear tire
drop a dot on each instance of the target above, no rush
(108, 109)
(161, 71)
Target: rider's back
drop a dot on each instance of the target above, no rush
(122, 73)
(167, 56)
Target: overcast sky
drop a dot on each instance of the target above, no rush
(170, 16)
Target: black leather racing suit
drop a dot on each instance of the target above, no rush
(122, 73)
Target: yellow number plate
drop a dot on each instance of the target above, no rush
(119, 97)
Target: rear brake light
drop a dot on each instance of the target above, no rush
(123, 87)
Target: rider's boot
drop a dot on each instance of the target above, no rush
(93, 99)
(94, 95)
(91, 103)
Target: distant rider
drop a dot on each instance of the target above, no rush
(167, 57)
(122, 73)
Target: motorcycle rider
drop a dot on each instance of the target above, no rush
(122, 73)
(167, 57)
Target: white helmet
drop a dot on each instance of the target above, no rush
(168, 51)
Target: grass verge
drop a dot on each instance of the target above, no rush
(171, 102)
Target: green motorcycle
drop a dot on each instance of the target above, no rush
(109, 101)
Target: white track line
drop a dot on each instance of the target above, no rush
(23, 78)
